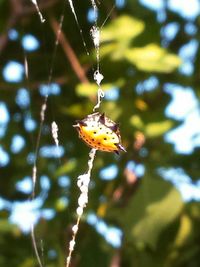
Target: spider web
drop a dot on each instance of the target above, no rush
(83, 179)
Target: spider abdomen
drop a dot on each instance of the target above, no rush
(100, 132)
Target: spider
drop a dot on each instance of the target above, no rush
(100, 132)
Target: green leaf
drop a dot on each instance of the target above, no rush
(122, 29)
(78, 110)
(151, 129)
(155, 205)
(87, 90)
(118, 35)
(185, 231)
(137, 122)
(6, 227)
(67, 167)
(155, 129)
(153, 58)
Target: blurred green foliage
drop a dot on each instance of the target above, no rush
(159, 228)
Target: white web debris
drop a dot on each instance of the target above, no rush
(38, 10)
(83, 184)
(54, 130)
(75, 229)
(71, 245)
(43, 109)
(100, 96)
(95, 33)
(98, 77)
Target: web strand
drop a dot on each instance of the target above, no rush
(38, 11)
(35, 246)
(84, 179)
(107, 17)
(78, 25)
(42, 119)
(44, 107)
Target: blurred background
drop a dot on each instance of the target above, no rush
(143, 208)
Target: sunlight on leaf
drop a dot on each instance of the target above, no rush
(153, 58)
(67, 167)
(158, 128)
(102, 209)
(110, 49)
(137, 122)
(29, 262)
(78, 110)
(141, 104)
(148, 229)
(185, 231)
(118, 35)
(112, 110)
(86, 89)
(122, 29)
(6, 227)
(151, 129)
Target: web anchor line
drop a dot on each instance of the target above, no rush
(42, 19)
(78, 25)
(84, 179)
(42, 119)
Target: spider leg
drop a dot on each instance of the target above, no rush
(102, 118)
(120, 147)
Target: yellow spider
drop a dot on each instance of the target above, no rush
(100, 132)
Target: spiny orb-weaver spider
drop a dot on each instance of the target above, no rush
(100, 132)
